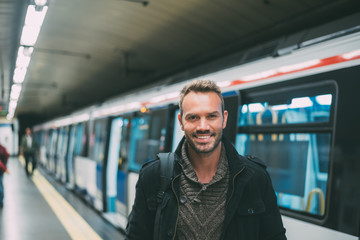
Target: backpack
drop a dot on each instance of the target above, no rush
(166, 175)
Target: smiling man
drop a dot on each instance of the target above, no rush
(215, 193)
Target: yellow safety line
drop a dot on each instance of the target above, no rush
(74, 224)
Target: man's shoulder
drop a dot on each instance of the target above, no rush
(256, 160)
(150, 169)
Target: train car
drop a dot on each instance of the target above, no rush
(293, 106)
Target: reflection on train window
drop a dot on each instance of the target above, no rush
(147, 137)
(291, 132)
(293, 162)
(97, 140)
(299, 110)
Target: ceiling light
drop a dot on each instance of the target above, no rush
(19, 75)
(33, 17)
(40, 2)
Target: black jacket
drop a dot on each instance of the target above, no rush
(251, 209)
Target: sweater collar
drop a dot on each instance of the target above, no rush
(236, 162)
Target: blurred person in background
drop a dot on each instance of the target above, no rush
(4, 156)
(28, 150)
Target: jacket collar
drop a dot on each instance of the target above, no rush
(236, 161)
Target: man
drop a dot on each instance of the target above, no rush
(215, 193)
(28, 149)
(4, 155)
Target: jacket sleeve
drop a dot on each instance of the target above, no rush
(272, 226)
(2, 167)
(139, 226)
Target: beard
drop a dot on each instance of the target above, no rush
(206, 148)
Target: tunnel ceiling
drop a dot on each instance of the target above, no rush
(91, 50)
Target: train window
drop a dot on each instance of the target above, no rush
(177, 132)
(124, 143)
(147, 137)
(291, 130)
(296, 110)
(97, 141)
(81, 142)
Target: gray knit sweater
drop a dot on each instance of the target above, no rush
(202, 206)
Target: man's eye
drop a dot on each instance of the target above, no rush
(212, 116)
(191, 117)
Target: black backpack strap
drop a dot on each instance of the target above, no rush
(166, 174)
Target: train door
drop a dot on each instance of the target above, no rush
(117, 171)
(147, 138)
(84, 168)
(61, 153)
(70, 179)
(52, 150)
(58, 153)
(97, 146)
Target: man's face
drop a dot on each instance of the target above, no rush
(28, 131)
(203, 121)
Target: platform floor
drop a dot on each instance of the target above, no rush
(39, 207)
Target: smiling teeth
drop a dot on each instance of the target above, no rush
(203, 137)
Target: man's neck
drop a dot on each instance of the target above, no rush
(205, 164)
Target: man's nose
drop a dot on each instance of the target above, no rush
(203, 125)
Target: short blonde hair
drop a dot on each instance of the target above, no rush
(200, 86)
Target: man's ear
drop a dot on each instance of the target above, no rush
(225, 115)
(180, 122)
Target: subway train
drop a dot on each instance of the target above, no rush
(293, 106)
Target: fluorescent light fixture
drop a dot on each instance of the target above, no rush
(14, 95)
(15, 90)
(33, 21)
(19, 75)
(12, 105)
(324, 99)
(29, 35)
(22, 59)
(40, 2)
(302, 102)
(34, 17)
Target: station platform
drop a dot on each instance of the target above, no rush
(38, 207)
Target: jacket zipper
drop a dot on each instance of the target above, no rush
(177, 201)
(232, 193)
(233, 186)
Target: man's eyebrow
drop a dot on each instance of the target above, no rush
(215, 112)
(190, 114)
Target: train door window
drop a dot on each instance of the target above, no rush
(81, 143)
(147, 137)
(97, 140)
(124, 143)
(291, 129)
